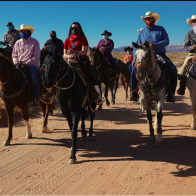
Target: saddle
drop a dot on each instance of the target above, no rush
(91, 93)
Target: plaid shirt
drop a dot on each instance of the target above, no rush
(11, 37)
(109, 43)
(128, 58)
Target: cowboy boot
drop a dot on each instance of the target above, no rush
(181, 90)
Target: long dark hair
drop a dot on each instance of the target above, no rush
(80, 29)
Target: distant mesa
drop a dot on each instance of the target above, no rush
(169, 49)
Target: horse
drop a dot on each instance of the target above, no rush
(105, 74)
(47, 108)
(190, 83)
(14, 92)
(125, 76)
(153, 87)
(71, 94)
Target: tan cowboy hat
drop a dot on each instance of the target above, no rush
(190, 20)
(150, 14)
(26, 27)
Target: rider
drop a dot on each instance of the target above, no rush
(49, 45)
(10, 38)
(106, 46)
(189, 45)
(27, 50)
(128, 58)
(76, 46)
(158, 39)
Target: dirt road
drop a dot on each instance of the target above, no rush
(119, 160)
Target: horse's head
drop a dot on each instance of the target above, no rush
(142, 59)
(95, 55)
(53, 62)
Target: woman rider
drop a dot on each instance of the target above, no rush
(76, 45)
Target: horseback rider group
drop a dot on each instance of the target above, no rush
(27, 50)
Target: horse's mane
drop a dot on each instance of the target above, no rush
(7, 69)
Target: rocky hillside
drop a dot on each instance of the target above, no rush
(169, 49)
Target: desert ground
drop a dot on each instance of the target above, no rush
(119, 160)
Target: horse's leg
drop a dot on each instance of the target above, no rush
(126, 90)
(158, 122)
(100, 107)
(106, 93)
(45, 123)
(149, 116)
(84, 134)
(193, 100)
(26, 119)
(116, 86)
(92, 116)
(43, 108)
(72, 158)
(112, 93)
(68, 116)
(9, 111)
(141, 107)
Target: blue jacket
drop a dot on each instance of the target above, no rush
(156, 35)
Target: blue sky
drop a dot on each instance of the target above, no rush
(122, 18)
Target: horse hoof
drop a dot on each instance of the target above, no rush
(44, 130)
(192, 127)
(71, 149)
(6, 143)
(100, 108)
(84, 135)
(29, 136)
(159, 144)
(113, 102)
(108, 104)
(90, 137)
(152, 139)
(72, 161)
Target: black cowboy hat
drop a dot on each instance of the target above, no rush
(52, 32)
(128, 48)
(105, 32)
(10, 24)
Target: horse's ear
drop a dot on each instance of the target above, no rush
(146, 44)
(90, 48)
(135, 45)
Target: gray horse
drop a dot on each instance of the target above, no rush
(191, 85)
(153, 82)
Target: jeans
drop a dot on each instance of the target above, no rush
(35, 79)
(130, 71)
(171, 69)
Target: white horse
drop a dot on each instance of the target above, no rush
(153, 84)
(191, 85)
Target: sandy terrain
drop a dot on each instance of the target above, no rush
(119, 160)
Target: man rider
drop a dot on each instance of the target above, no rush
(189, 45)
(49, 45)
(10, 38)
(158, 39)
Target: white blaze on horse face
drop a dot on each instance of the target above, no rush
(141, 55)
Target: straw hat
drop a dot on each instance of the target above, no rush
(150, 14)
(190, 20)
(26, 27)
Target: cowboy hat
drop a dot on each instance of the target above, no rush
(150, 14)
(26, 27)
(128, 48)
(105, 32)
(190, 20)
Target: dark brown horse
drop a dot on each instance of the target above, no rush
(14, 92)
(104, 73)
(125, 76)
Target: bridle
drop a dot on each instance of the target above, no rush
(57, 81)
